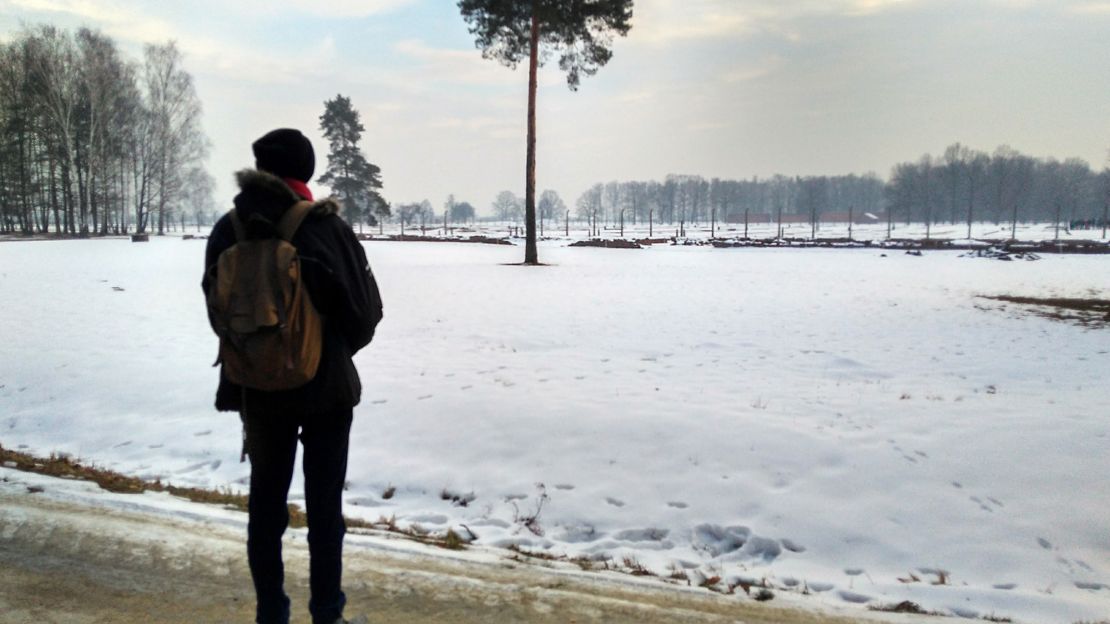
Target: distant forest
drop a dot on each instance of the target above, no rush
(92, 142)
(961, 186)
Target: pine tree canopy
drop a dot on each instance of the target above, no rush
(350, 176)
(579, 32)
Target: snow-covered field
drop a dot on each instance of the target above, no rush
(828, 419)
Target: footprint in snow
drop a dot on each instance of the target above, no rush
(650, 534)
(564, 486)
(853, 571)
(580, 533)
(155, 446)
(819, 586)
(122, 444)
(677, 504)
(614, 501)
(1045, 544)
(203, 433)
(1004, 586)
(1091, 586)
(364, 501)
(580, 377)
(982, 505)
(422, 398)
(428, 519)
(515, 497)
(853, 597)
(192, 467)
(964, 612)
(379, 401)
(792, 546)
(466, 387)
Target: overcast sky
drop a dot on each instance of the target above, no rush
(728, 88)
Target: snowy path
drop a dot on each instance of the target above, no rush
(74, 554)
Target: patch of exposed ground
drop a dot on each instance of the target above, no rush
(1088, 312)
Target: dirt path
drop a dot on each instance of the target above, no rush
(66, 562)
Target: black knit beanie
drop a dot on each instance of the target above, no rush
(285, 153)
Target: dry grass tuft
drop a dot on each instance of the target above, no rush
(65, 467)
(906, 606)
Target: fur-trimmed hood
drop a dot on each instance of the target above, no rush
(264, 195)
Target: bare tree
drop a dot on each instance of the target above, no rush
(174, 125)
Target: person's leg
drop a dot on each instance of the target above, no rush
(325, 439)
(272, 446)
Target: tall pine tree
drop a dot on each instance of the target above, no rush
(579, 32)
(354, 180)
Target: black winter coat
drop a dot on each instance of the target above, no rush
(337, 277)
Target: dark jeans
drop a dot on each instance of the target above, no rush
(272, 446)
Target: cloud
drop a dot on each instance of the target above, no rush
(455, 66)
(666, 21)
(116, 18)
(633, 97)
(204, 53)
(236, 61)
(326, 8)
(745, 74)
(710, 126)
(1091, 8)
(472, 124)
(868, 7)
(663, 21)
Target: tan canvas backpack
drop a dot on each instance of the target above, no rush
(270, 333)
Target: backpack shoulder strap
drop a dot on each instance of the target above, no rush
(292, 219)
(237, 225)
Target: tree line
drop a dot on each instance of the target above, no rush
(962, 185)
(692, 199)
(967, 185)
(92, 142)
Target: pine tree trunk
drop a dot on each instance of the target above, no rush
(530, 254)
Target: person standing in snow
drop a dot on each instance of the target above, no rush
(341, 286)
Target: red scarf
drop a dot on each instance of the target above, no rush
(300, 188)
